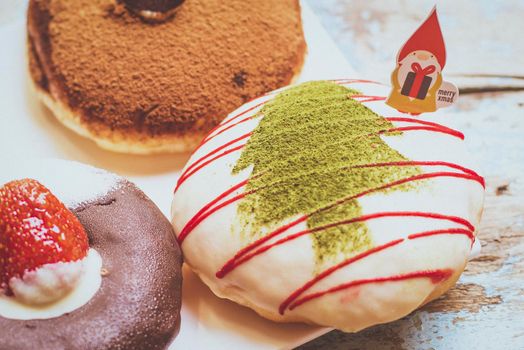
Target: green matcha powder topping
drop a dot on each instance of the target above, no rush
(302, 153)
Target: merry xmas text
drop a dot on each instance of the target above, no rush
(446, 95)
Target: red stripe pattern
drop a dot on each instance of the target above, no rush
(436, 276)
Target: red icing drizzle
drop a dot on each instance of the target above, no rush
(368, 98)
(425, 128)
(423, 122)
(355, 81)
(296, 294)
(210, 136)
(421, 163)
(182, 179)
(239, 259)
(332, 269)
(453, 231)
(436, 276)
(192, 169)
(186, 174)
(208, 209)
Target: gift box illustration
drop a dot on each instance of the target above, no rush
(418, 81)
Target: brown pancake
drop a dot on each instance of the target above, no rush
(143, 87)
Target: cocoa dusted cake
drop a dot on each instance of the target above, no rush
(146, 76)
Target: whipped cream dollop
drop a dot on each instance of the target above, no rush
(47, 284)
(53, 289)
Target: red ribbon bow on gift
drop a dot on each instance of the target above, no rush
(419, 77)
(417, 69)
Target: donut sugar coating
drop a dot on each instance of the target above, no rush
(138, 303)
(319, 203)
(134, 86)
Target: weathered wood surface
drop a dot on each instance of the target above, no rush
(485, 310)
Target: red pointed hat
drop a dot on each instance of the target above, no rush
(427, 37)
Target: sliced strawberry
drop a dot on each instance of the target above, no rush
(35, 229)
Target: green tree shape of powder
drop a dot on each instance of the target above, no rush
(302, 153)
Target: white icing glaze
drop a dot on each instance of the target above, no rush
(88, 284)
(71, 182)
(475, 250)
(48, 283)
(268, 279)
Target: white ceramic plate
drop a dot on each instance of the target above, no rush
(28, 130)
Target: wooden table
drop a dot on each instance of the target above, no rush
(485, 310)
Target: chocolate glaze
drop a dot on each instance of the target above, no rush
(138, 304)
(152, 5)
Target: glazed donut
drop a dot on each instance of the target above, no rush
(130, 297)
(110, 74)
(319, 203)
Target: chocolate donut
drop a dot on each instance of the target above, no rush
(110, 74)
(138, 303)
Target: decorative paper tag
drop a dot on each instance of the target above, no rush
(417, 79)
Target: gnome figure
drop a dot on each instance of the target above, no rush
(418, 74)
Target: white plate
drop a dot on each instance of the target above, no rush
(28, 130)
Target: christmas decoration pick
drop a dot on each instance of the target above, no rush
(417, 80)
